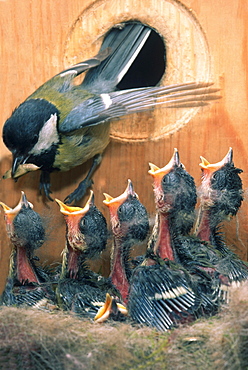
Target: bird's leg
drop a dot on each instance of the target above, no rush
(45, 184)
(80, 191)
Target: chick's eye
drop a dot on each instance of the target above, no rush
(120, 211)
(126, 212)
(167, 180)
(83, 222)
(219, 177)
(164, 180)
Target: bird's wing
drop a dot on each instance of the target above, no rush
(89, 63)
(158, 297)
(103, 107)
(125, 41)
(91, 112)
(63, 80)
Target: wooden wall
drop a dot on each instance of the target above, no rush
(37, 41)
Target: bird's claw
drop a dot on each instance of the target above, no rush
(79, 192)
(45, 185)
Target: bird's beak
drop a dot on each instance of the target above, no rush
(114, 203)
(209, 168)
(105, 311)
(130, 189)
(10, 213)
(158, 173)
(16, 162)
(19, 168)
(24, 202)
(75, 211)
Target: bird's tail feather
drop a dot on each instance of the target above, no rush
(125, 43)
(184, 95)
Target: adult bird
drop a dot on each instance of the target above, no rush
(155, 294)
(79, 289)
(62, 125)
(221, 196)
(27, 283)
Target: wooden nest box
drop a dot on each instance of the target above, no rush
(205, 42)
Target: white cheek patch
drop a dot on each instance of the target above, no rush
(48, 136)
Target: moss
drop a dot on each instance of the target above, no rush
(34, 339)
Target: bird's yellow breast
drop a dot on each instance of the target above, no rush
(81, 145)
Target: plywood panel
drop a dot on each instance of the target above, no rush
(33, 46)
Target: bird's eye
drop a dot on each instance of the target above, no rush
(83, 222)
(126, 211)
(120, 212)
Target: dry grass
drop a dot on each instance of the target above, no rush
(32, 339)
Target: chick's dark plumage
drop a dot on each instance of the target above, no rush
(80, 289)
(175, 202)
(221, 188)
(221, 196)
(154, 295)
(28, 229)
(94, 228)
(27, 283)
(132, 215)
(130, 226)
(62, 125)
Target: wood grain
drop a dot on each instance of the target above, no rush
(34, 46)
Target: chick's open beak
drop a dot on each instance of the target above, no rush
(104, 312)
(114, 203)
(73, 211)
(209, 168)
(158, 173)
(10, 213)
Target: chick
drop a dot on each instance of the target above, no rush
(221, 196)
(130, 225)
(153, 293)
(62, 125)
(175, 197)
(27, 283)
(79, 289)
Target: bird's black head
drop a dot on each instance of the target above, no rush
(28, 227)
(180, 193)
(133, 219)
(221, 187)
(86, 228)
(227, 189)
(31, 131)
(129, 218)
(93, 227)
(179, 189)
(24, 226)
(175, 192)
(174, 187)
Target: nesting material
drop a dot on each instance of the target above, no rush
(33, 339)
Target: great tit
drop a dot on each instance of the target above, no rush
(27, 282)
(80, 289)
(62, 125)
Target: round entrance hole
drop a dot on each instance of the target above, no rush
(149, 66)
(177, 45)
